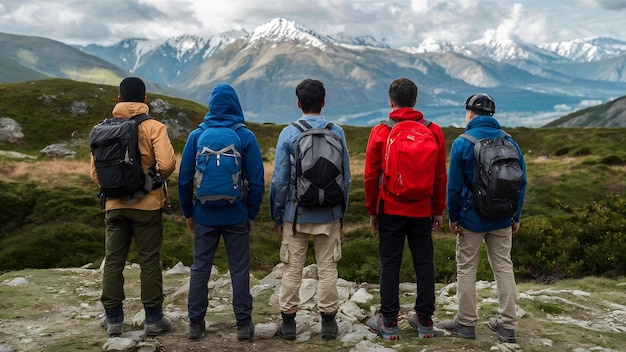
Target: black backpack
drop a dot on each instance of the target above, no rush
(497, 178)
(115, 149)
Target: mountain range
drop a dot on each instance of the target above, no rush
(532, 85)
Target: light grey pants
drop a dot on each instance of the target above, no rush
(499, 254)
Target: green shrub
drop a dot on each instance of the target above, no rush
(17, 202)
(612, 160)
(587, 242)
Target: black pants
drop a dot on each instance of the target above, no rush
(392, 231)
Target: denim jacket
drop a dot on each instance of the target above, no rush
(283, 185)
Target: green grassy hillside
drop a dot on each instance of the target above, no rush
(49, 216)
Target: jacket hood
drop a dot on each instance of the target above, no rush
(482, 121)
(224, 107)
(402, 114)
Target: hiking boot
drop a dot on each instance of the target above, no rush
(153, 329)
(113, 329)
(245, 332)
(455, 328)
(504, 334)
(329, 326)
(287, 329)
(197, 330)
(376, 325)
(424, 331)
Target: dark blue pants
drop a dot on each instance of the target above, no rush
(392, 232)
(205, 242)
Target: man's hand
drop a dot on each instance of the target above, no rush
(455, 228)
(189, 222)
(279, 229)
(250, 224)
(515, 226)
(437, 220)
(374, 222)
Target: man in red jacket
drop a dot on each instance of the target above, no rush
(399, 218)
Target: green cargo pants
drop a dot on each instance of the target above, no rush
(145, 228)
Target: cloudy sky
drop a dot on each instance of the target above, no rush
(398, 22)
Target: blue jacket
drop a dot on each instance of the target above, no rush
(283, 186)
(224, 110)
(461, 177)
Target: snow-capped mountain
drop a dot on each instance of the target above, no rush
(162, 60)
(531, 84)
(366, 40)
(431, 45)
(508, 50)
(586, 50)
(282, 30)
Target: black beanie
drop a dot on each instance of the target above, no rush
(132, 89)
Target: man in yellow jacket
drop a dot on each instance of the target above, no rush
(139, 220)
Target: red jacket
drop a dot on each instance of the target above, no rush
(373, 170)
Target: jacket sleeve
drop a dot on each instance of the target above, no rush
(92, 173)
(455, 180)
(374, 167)
(520, 202)
(163, 152)
(347, 176)
(254, 173)
(438, 203)
(279, 187)
(186, 175)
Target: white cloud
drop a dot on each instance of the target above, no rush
(402, 22)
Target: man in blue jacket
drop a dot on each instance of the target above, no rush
(471, 229)
(322, 223)
(233, 222)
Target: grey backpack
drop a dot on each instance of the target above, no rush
(319, 167)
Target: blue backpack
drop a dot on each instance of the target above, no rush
(219, 179)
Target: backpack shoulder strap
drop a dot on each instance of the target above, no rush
(503, 134)
(329, 126)
(302, 125)
(389, 122)
(469, 138)
(141, 118)
(235, 126)
(426, 122)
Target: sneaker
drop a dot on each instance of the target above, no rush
(287, 329)
(329, 326)
(376, 325)
(113, 329)
(196, 331)
(504, 334)
(425, 331)
(153, 329)
(245, 332)
(455, 328)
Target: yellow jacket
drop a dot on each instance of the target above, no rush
(156, 149)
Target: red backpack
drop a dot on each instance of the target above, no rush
(410, 160)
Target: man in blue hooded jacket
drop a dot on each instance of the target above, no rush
(472, 230)
(233, 222)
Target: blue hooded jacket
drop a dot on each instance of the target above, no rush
(461, 177)
(224, 111)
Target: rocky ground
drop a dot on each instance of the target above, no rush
(59, 310)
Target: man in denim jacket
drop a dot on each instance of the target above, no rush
(323, 223)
